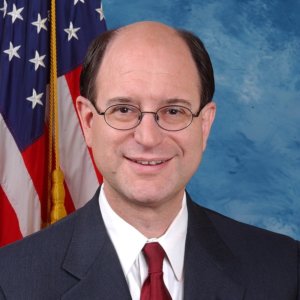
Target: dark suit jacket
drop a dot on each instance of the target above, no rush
(224, 260)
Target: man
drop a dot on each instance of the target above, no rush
(146, 111)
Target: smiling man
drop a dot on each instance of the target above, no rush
(146, 159)
(146, 110)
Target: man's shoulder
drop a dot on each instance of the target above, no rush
(265, 263)
(245, 238)
(38, 246)
(51, 238)
(42, 255)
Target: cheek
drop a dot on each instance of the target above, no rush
(192, 142)
(192, 150)
(106, 146)
(102, 145)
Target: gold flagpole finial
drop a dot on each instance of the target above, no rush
(58, 195)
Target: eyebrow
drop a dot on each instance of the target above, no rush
(179, 101)
(128, 100)
(118, 100)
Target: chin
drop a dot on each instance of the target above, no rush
(151, 196)
(143, 196)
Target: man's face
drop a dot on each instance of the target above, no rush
(148, 69)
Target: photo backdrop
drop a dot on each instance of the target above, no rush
(251, 169)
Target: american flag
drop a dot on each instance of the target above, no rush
(24, 81)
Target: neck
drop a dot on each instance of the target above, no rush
(151, 218)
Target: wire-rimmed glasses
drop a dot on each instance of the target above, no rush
(127, 116)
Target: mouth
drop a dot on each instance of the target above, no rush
(151, 162)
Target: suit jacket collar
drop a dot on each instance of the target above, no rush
(92, 259)
(211, 270)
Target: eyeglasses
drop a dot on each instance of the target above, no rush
(126, 116)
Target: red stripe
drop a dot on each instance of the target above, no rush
(99, 176)
(72, 79)
(73, 82)
(35, 160)
(9, 224)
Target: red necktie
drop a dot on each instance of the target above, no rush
(154, 287)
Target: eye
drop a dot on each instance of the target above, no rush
(122, 113)
(122, 109)
(175, 111)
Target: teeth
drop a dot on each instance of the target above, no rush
(151, 163)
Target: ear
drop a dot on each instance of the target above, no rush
(85, 114)
(207, 117)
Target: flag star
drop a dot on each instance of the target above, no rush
(4, 8)
(12, 51)
(100, 12)
(16, 13)
(76, 1)
(35, 98)
(40, 23)
(38, 60)
(71, 31)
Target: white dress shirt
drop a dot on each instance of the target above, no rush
(129, 243)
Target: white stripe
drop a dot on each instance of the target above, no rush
(17, 183)
(76, 162)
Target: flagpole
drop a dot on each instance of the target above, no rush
(56, 196)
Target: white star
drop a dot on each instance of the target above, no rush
(12, 51)
(38, 61)
(16, 13)
(40, 23)
(76, 1)
(35, 98)
(100, 12)
(4, 8)
(71, 31)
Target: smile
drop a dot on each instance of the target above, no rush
(151, 163)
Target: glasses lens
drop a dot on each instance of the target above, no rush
(122, 116)
(174, 117)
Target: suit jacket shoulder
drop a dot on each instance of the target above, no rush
(72, 259)
(239, 261)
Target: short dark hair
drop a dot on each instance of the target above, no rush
(92, 62)
(96, 51)
(203, 64)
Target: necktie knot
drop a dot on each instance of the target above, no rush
(154, 255)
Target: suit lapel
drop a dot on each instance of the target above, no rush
(211, 270)
(92, 259)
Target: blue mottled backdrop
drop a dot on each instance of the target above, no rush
(251, 169)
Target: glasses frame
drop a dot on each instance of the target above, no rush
(154, 113)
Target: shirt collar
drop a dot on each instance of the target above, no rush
(129, 242)
(173, 241)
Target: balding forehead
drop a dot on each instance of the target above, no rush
(147, 47)
(147, 40)
(152, 33)
(147, 35)
(148, 27)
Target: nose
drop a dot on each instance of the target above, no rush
(148, 133)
